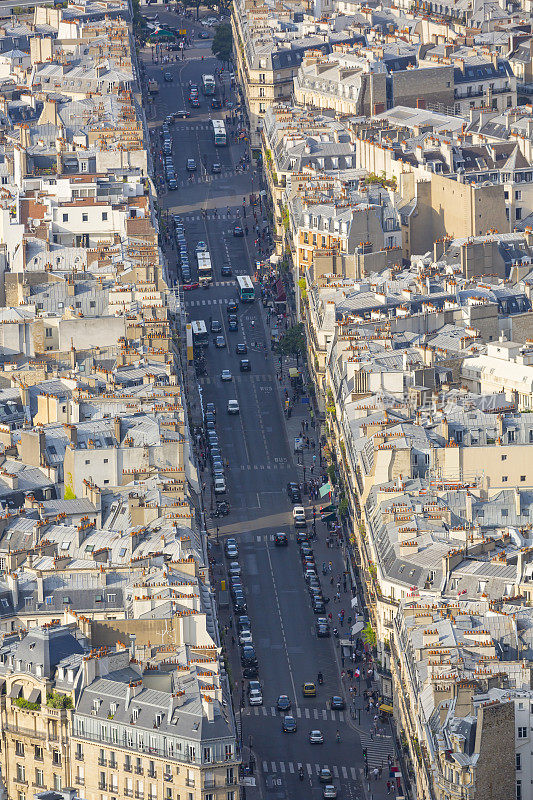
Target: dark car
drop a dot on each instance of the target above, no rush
(226, 271)
(239, 605)
(248, 655)
(216, 326)
(220, 342)
(241, 349)
(337, 702)
(168, 77)
(281, 539)
(289, 724)
(293, 492)
(245, 365)
(238, 231)
(243, 623)
(182, 113)
(195, 103)
(284, 703)
(301, 536)
(232, 308)
(203, 35)
(216, 168)
(233, 323)
(322, 630)
(319, 607)
(215, 103)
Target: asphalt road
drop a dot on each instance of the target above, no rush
(256, 445)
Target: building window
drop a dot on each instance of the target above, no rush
(56, 757)
(19, 749)
(57, 782)
(519, 790)
(518, 213)
(48, 333)
(21, 772)
(518, 761)
(522, 732)
(38, 753)
(522, 478)
(504, 458)
(104, 216)
(518, 194)
(85, 218)
(39, 777)
(504, 478)
(65, 217)
(262, 108)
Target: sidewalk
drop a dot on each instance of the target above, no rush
(382, 777)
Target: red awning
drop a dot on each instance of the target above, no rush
(280, 290)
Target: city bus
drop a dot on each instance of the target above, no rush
(219, 132)
(246, 288)
(208, 84)
(200, 335)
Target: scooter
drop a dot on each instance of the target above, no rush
(301, 773)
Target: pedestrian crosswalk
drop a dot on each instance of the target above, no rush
(292, 767)
(254, 377)
(212, 301)
(378, 749)
(249, 467)
(321, 715)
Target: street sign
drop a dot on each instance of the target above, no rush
(183, 33)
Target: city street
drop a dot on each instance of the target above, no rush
(257, 443)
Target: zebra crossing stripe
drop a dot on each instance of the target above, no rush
(344, 772)
(335, 771)
(298, 712)
(291, 767)
(353, 773)
(307, 714)
(341, 716)
(309, 769)
(324, 714)
(282, 766)
(265, 766)
(274, 768)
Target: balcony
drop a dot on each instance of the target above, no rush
(190, 782)
(139, 771)
(128, 792)
(152, 773)
(113, 765)
(139, 795)
(167, 776)
(102, 762)
(102, 786)
(128, 768)
(80, 781)
(79, 757)
(30, 732)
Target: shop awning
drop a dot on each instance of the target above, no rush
(357, 628)
(385, 707)
(294, 373)
(280, 290)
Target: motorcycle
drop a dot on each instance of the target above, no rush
(301, 773)
(320, 678)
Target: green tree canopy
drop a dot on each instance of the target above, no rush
(292, 343)
(222, 47)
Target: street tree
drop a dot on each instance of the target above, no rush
(292, 343)
(222, 47)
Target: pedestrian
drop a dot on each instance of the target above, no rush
(388, 787)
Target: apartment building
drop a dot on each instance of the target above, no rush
(269, 48)
(72, 716)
